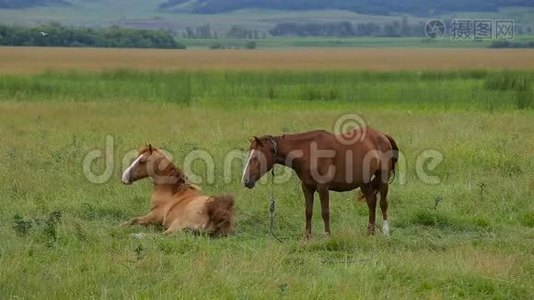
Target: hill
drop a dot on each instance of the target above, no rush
(31, 3)
(383, 7)
(181, 16)
(370, 7)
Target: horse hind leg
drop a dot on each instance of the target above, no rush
(325, 207)
(175, 226)
(384, 208)
(309, 192)
(370, 195)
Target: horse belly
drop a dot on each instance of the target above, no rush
(342, 186)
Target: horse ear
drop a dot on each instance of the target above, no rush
(150, 148)
(258, 141)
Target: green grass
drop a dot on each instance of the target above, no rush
(60, 234)
(475, 90)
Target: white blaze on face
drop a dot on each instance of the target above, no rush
(126, 174)
(246, 165)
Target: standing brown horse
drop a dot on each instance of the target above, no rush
(325, 162)
(176, 204)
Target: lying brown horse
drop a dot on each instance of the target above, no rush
(176, 204)
(325, 162)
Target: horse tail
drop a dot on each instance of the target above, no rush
(376, 182)
(394, 157)
(220, 211)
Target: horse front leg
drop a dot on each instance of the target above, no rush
(148, 219)
(308, 191)
(325, 207)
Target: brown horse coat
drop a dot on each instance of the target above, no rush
(325, 161)
(175, 204)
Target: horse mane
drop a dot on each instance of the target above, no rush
(290, 136)
(182, 182)
(263, 139)
(303, 135)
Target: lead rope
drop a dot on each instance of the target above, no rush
(272, 205)
(272, 208)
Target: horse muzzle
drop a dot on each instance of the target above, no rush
(126, 178)
(249, 184)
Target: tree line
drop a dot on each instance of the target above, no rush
(347, 29)
(511, 44)
(56, 35)
(236, 32)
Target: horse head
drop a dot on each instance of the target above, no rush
(261, 159)
(151, 162)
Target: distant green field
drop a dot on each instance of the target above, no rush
(60, 234)
(333, 42)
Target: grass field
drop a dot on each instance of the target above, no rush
(60, 234)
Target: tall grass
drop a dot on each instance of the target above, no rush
(513, 82)
(479, 90)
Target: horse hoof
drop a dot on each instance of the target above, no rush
(385, 228)
(138, 236)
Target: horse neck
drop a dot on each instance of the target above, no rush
(288, 144)
(171, 180)
(285, 146)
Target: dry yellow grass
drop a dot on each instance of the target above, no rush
(29, 60)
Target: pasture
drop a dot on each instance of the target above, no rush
(469, 236)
